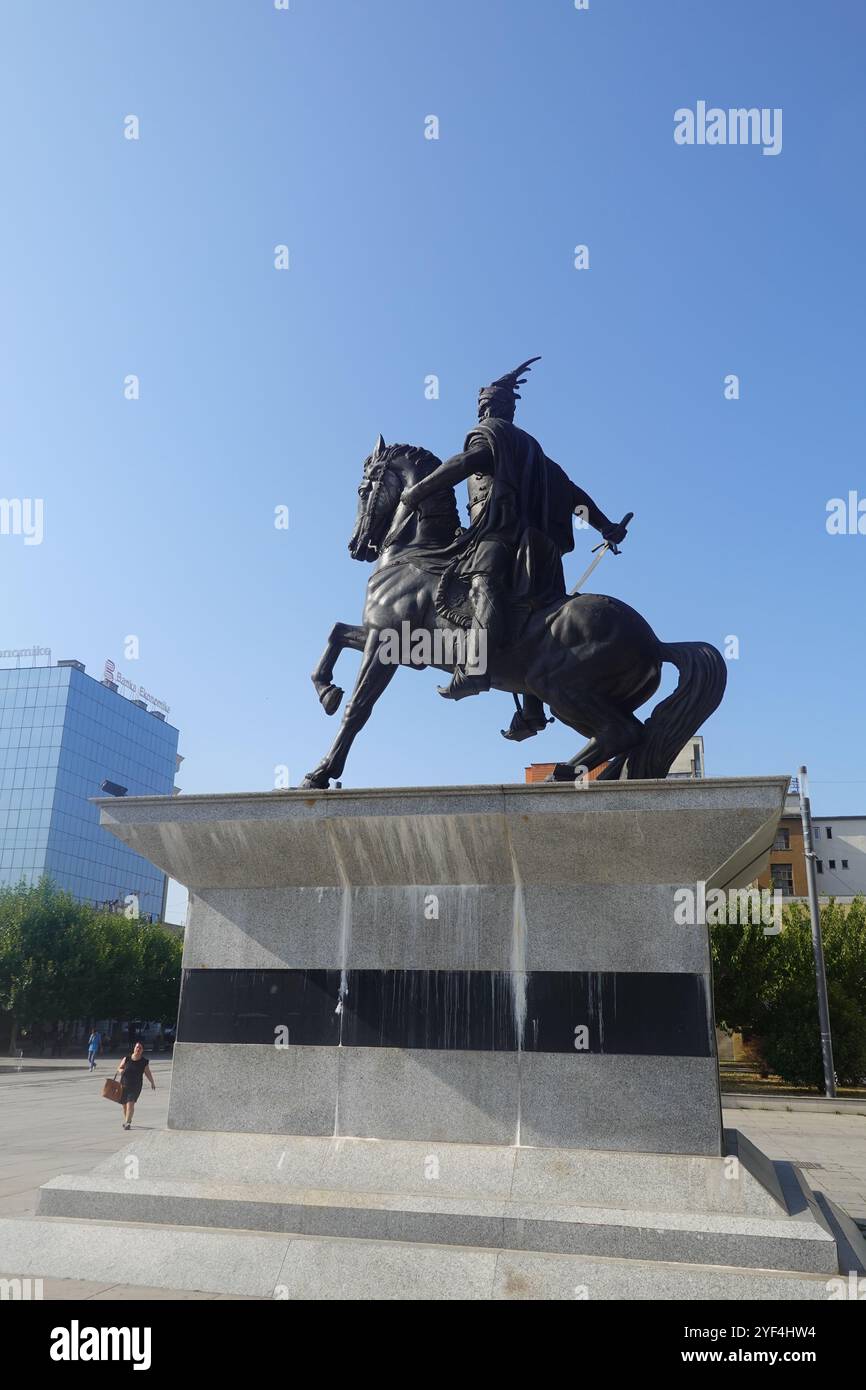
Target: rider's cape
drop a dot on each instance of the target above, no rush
(529, 509)
(529, 489)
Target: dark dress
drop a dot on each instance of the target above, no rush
(131, 1079)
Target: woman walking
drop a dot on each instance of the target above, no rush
(133, 1067)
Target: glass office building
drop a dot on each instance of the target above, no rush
(62, 734)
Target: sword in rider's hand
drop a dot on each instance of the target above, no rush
(602, 550)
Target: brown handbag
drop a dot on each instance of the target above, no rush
(112, 1089)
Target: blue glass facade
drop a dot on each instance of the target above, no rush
(62, 734)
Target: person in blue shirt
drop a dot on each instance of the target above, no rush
(94, 1043)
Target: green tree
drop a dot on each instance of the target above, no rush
(766, 985)
(160, 954)
(46, 955)
(62, 960)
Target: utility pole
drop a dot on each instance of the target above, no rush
(817, 945)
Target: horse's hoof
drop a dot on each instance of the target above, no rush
(315, 782)
(563, 772)
(330, 698)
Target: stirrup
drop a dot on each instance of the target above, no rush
(522, 728)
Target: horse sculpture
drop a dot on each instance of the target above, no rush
(591, 658)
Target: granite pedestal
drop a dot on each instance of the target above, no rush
(489, 965)
(449, 1042)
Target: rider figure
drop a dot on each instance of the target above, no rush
(512, 487)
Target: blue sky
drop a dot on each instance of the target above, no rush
(410, 257)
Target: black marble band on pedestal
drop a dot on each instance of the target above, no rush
(607, 1012)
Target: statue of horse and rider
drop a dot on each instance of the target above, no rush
(494, 595)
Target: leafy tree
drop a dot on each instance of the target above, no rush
(766, 985)
(61, 960)
(743, 971)
(160, 955)
(790, 1041)
(46, 954)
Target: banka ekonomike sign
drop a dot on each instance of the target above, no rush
(18, 652)
(111, 673)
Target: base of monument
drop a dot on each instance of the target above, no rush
(306, 1218)
(447, 1043)
(320, 1268)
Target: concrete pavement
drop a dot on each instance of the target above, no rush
(54, 1121)
(830, 1148)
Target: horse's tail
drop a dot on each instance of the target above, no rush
(703, 676)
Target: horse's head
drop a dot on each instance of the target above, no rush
(378, 496)
(387, 471)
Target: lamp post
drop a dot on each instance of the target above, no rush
(817, 945)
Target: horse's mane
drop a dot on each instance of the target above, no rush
(413, 453)
(442, 504)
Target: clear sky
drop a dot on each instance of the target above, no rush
(411, 257)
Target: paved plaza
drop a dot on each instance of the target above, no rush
(55, 1121)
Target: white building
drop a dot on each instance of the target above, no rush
(840, 844)
(689, 761)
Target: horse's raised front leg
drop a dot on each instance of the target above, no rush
(373, 678)
(343, 635)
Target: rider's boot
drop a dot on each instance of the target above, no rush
(526, 722)
(489, 620)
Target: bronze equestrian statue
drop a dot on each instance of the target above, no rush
(512, 486)
(591, 658)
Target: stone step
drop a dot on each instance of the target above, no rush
(295, 1267)
(744, 1183)
(799, 1242)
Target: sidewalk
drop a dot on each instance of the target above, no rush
(830, 1148)
(798, 1105)
(55, 1121)
(10, 1065)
